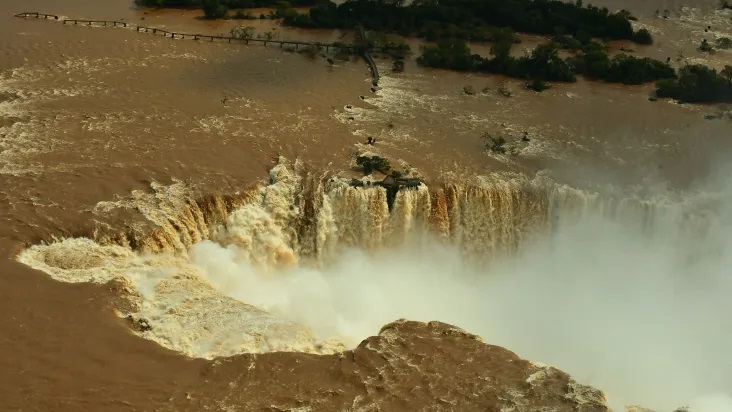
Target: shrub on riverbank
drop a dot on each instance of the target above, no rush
(213, 9)
(545, 64)
(474, 20)
(697, 84)
(494, 144)
(595, 63)
(373, 163)
(398, 66)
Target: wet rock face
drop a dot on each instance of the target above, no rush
(450, 369)
(409, 366)
(139, 325)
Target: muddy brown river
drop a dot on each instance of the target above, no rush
(89, 115)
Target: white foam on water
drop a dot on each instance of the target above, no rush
(627, 295)
(185, 312)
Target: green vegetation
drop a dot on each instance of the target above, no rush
(395, 49)
(215, 9)
(503, 91)
(168, 3)
(494, 144)
(450, 23)
(500, 145)
(643, 36)
(538, 85)
(243, 33)
(241, 15)
(268, 35)
(392, 46)
(398, 66)
(249, 32)
(373, 163)
(723, 43)
(706, 47)
(595, 63)
(475, 20)
(666, 13)
(544, 63)
(310, 51)
(449, 54)
(567, 42)
(469, 90)
(693, 84)
(697, 84)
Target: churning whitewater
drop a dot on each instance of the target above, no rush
(618, 291)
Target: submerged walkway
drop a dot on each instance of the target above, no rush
(367, 56)
(348, 48)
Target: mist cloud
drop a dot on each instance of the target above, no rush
(641, 313)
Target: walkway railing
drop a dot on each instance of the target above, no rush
(229, 39)
(369, 59)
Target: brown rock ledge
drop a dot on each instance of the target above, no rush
(409, 366)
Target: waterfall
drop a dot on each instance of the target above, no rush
(302, 219)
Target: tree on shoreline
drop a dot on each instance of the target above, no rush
(544, 63)
(698, 84)
(474, 20)
(243, 33)
(453, 22)
(213, 9)
(216, 9)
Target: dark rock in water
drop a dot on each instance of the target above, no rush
(140, 325)
(373, 89)
(348, 106)
(362, 97)
(8, 96)
(357, 183)
(392, 183)
(400, 182)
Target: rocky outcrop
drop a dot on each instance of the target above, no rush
(409, 366)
